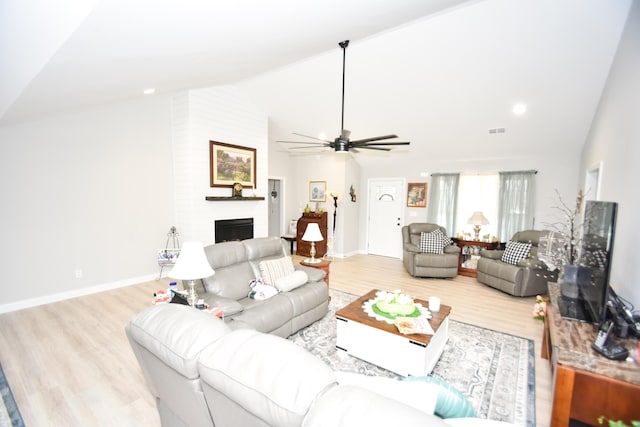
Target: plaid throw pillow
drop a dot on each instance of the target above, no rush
(446, 241)
(431, 243)
(516, 252)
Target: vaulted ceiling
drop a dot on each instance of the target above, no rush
(437, 72)
(69, 54)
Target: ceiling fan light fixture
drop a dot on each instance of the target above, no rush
(341, 146)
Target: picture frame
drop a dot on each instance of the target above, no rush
(230, 164)
(417, 195)
(317, 191)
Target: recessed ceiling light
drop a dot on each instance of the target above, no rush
(519, 109)
(149, 91)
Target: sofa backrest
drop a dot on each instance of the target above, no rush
(262, 249)
(233, 273)
(252, 378)
(167, 341)
(422, 227)
(529, 236)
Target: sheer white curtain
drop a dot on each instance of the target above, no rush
(443, 200)
(478, 192)
(516, 199)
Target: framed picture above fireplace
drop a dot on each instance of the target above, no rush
(229, 164)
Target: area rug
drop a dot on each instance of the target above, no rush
(494, 370)
(9, 412)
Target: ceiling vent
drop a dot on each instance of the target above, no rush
(497, 130)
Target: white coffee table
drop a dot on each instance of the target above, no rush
(380, 343)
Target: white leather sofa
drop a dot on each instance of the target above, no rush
(202, 373)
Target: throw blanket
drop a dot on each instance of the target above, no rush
(552, 249)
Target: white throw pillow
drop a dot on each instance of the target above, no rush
(292, 281)
(274, 269)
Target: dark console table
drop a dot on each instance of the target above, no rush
(468, 250)
(586, 385)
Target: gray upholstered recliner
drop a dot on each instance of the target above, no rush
(420, 264)
(526, 278)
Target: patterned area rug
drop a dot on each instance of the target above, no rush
(9, 412)
(495, 371)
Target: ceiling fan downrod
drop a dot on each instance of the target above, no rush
(343, 45)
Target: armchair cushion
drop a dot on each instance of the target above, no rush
(515, 252)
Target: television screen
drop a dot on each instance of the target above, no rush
(594, 264)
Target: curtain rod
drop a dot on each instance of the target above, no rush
(529, 171)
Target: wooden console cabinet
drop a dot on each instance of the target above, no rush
(586, 385)
(468, 251)
(304, 248)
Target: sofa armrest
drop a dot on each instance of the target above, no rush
(532, 263)
(228, 306)
(452, 249)
(491, 254)
(410, 247)
(315, 274)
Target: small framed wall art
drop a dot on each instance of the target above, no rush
(231, 164)
(417, 194)
(317, 190)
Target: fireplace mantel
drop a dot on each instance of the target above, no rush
(230, 199)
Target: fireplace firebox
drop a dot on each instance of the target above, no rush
(227, 230)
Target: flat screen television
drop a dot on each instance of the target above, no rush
(596, 252)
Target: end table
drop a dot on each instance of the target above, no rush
(322, 265)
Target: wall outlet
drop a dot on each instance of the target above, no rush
(78, 273)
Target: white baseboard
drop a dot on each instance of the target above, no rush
(34, 302)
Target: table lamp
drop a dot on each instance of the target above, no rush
(191, 265)
(312, 234)
(478, 220)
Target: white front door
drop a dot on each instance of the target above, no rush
(386, 213)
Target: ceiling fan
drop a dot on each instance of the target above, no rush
(342, 144)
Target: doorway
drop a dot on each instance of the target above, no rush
(386, 217)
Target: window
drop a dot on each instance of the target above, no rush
(477, 193)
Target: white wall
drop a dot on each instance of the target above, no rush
(86, 191)
(614, 141)
(556, 170)
(220, 114)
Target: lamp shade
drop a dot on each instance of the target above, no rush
(312, 233)
(478, 219)
(192, 263)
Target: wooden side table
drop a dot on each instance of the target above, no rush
(467, 249)
(322, 265)
(291, 239)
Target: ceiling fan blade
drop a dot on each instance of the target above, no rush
(366, 144)
(312, 137)
(307, 148)
(375, 138)
(366, 147)
(302, 142)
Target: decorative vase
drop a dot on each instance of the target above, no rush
(307, 209)
(568, 281)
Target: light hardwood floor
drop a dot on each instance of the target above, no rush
(70, 364)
